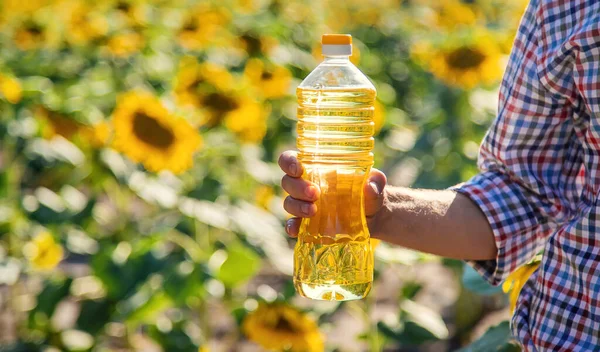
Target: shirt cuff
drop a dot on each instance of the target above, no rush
(510, 210)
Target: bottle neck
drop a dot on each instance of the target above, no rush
(336, 59)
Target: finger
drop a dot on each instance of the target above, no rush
(299, 188)
(299, 208)
(292, 226)
(374, 191)
(288, 162)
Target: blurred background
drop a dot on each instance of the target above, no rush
(140, 206)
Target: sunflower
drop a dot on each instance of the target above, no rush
(10, 88)
(194, 81)
(209, 88)
(146, 132)
(248, 121)
(82, 23)
(280, 327)
(131, 13)
(55, 124)
(30, 35)
(125, 44)
(43, 252)
(273, 81)
(465, 64)
(517, 279)
(203, 26)
(450, 14)
(254, 45)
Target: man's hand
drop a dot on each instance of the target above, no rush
(303, 194)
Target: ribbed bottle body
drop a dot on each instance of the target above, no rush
(333, 256)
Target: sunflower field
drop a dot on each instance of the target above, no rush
(140, 205)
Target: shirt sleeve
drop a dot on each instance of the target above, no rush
(530, 158)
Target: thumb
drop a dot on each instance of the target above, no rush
(374, 191)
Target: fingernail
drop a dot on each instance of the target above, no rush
(288, 226)
(311, 191)
(294, 168)
(375, 187)
(306, 209)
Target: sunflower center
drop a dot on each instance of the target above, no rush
(465, 58)
(123, 6)
(34, 29)
(221, 103)
(152, 132)
(265, 76)
(252, 44)
(191, 25)
(284, 325)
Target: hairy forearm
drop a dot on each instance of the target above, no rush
(442, 222)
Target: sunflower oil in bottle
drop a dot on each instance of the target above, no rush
(333, 259)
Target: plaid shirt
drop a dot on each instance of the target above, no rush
(540, 176)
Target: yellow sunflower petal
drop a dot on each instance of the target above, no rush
(125, 44)
(515, 282)
(43, 252)
(11, 89)
(248, 121)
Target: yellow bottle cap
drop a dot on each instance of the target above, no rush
(336, 39)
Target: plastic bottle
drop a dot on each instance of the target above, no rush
(333, 259)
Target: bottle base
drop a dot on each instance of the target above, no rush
(333, 292)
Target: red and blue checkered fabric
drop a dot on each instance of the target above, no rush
(540, 176)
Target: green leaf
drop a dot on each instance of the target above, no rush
(417, 325)
(410, 289)
(241, 264)
(122, 279)
(180, 286)
(4, 184)
(147, 312)
(173, 340)
(409, 333)
(426, 318)
(94, 315)
(415, 334)
(239, 314)
(497, 338)
(474, 282)
(53, 292)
